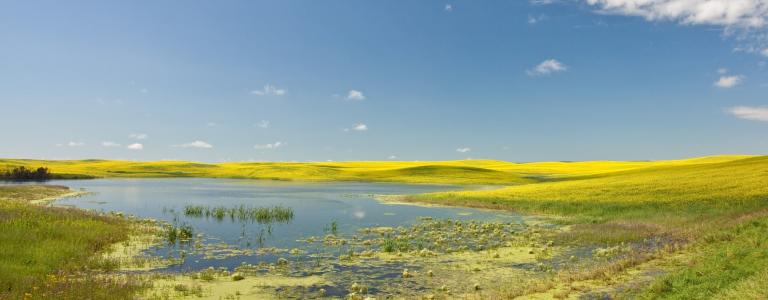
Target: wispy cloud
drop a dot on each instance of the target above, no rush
(211, 124)
(464, 150)
(392, 157)
(262, 124)
(138, 136)
(448, 7)
(269, 90)
(109, 144)
(135, 146)
(533, 20)
(71, 144)
(195, 144)
(355, 95)
(269, 146)
(750, 113)
(547, 67)
(729, 81)
(360, 127)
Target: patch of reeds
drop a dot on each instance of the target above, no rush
(241, 213)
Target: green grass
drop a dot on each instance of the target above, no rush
(728, 264)
(47, 250)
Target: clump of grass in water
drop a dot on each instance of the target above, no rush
(397, 244)
(333, 228)
(242, 213)
(193, 211)
(181, 233)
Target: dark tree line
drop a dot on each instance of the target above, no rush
(22, 174)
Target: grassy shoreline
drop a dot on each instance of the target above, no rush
(711, 213)
(53, 252)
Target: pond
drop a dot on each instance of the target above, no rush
(338, 234)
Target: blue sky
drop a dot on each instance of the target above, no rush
(377, 80)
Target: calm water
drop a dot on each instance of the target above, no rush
(316, 206)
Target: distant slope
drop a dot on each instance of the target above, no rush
(710, 186)
(444, 172)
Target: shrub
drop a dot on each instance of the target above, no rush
(24, 174)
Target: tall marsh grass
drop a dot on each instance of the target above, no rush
(241, 213)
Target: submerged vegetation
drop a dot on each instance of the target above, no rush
(431, 257)
(242, 213)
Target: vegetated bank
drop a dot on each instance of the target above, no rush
(711, 217)
(53, 252)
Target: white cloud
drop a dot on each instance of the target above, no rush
(269, 90)
(750, 113)
(135, 146)
(729, 13)
(764, 52)
(728, 81)
(745, 20)
(355, 95)
(392, 157)
(463, 150)
(109, 144)
(72, 144)
(547, 67)
(274, 145)
(448, 7)
(138, 136)
(211, 124)
(722, 71)
(360, 127)
(262, 124)
(532, 20)
(196, 144)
